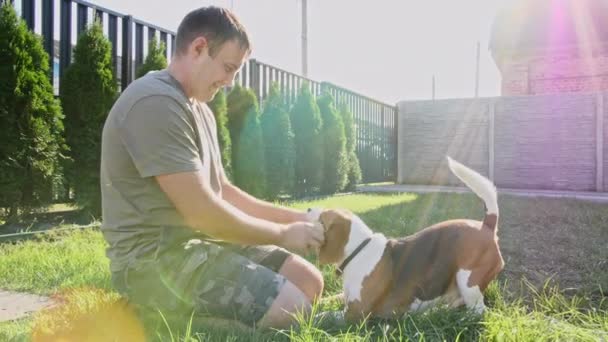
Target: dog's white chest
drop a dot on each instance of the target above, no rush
(361, 267)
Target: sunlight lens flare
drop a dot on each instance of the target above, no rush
(87, 314)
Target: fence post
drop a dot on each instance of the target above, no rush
(173, 46)
(599, 142)
(325, 86)
(254, 77)
(383, 144)
(139, 45)
(113, 36)
(127, 47)
(65, 34)
(28, 10)
(396, 143)
(163, 39)
(48, 33)
(151, 35)
(81, 19)
(263, 69)
(98, 16)
(491, 120)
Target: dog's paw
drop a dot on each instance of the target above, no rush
(312, 215)
(479, 308)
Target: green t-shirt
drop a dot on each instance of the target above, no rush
(152, 129)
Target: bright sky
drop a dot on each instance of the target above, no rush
(385, 49)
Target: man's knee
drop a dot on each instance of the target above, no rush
(290, 303)
(304, 275)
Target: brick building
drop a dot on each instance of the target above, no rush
(551, 46)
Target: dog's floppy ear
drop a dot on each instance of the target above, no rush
(329, 217)
(336, 225)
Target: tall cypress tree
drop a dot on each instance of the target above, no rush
(219, 107)
(88, 90)
(248, 163)
(155, 60)
(238, 106)
(335, 165)
(279, 144)
(31, 142)
(306, 123)
(354, 169)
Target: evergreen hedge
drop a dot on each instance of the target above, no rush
(353, 168)
(307, 124)
(219, 107)
(335, 162)
(31, 143)
(248, 163)
(155, 60)
(88, 90)
(279, 144)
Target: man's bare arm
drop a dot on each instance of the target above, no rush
(204, 210)
(258, 208)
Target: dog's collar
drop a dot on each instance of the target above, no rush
(343, 265)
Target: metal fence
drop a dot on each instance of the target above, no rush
(376, 122)
(376, 133)
(125, 33)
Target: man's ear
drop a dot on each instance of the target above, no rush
(200, 45)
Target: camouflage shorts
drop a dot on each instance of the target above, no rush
(198, 276)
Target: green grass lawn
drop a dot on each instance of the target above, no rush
(553, 287)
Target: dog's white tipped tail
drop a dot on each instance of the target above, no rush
(479, 184)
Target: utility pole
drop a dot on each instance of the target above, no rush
(304, 38)
(477, 73)
(433, 88)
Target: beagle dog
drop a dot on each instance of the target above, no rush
(451, 262)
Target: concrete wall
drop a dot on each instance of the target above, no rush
(557, 142)
(428, 131)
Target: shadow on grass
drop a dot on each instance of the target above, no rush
(42, 221)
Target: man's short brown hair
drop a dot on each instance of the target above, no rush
(217, 25)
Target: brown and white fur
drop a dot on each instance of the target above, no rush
(451, 262)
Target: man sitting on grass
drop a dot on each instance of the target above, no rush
(166, 196)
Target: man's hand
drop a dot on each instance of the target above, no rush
(302, 237)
